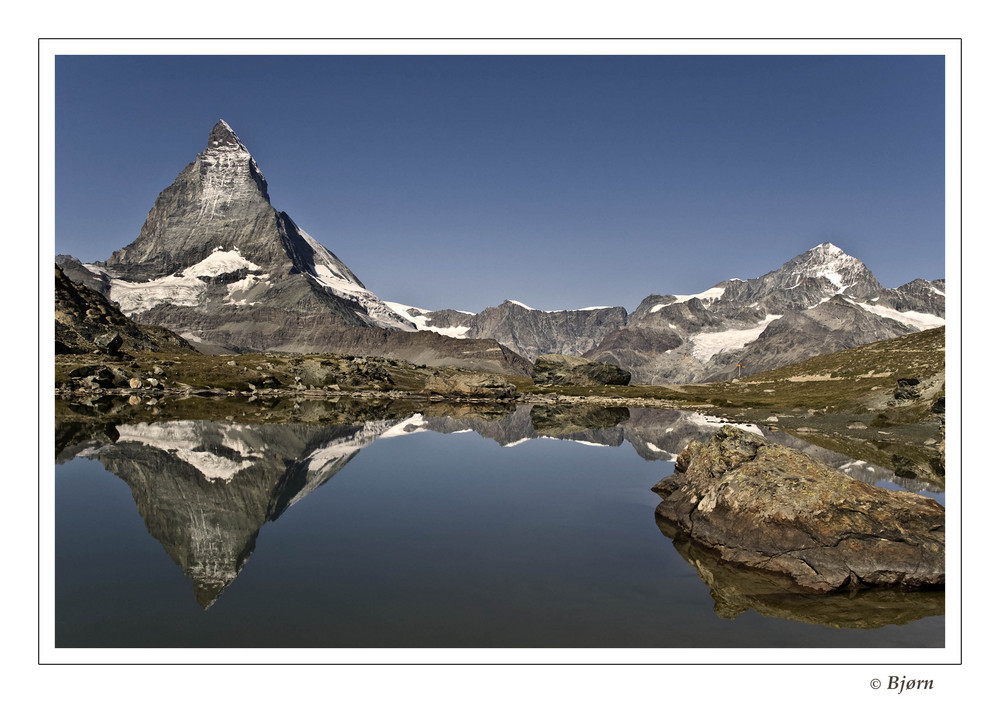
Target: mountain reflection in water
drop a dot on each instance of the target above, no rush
(205, 488)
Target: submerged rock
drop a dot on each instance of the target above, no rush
(775, 509)
(563, 370)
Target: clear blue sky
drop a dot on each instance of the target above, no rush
(558, 181)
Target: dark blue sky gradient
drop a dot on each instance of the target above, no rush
(559, 181)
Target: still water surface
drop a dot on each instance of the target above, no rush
(416, 532)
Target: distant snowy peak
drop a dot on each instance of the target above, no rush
(829, 262)
(805, 281)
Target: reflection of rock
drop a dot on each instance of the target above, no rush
(775, 509)
(484, 412)
(736, 589)
(563, 370)
(660, 434)
(204, 489)
(855, 468)
(567, 419)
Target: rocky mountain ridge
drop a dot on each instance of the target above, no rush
(216, 263)
(821, 301)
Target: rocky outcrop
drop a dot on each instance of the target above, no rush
(86, 322)
(429, 349)
(563, 370)
(773, 509)
(471, 385)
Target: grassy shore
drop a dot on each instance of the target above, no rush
(845, 401)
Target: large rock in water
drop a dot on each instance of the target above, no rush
(563, 370)
(775, 509)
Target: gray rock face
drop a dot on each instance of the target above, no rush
(75, 271)
(469, 385)
(429, 349)
(86, 322)
(563, 370)
(919, 295)
(532, 333)
(448, 318)
(774, 509)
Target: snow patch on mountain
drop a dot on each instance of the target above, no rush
(422, 323)
(220, 262)
(919, 320)
(412, 424)
(517, 302)
(185, 288)
(710, 294)
(707, 344)
(238, 290)
(332, 274)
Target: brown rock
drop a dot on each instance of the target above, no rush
(775, 509)
(564, 370)
(471, 385)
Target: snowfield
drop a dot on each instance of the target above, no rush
(708, 344)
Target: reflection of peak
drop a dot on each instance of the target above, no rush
(204, 489)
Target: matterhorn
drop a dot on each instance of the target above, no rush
(216, 263)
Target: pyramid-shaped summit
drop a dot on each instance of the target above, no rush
(218, 202)
(216, 263)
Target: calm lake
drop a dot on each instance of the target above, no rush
(531, 528)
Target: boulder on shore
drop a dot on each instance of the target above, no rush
(471, 385)
(775, 509)
(563, 370)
